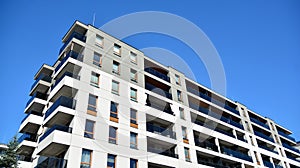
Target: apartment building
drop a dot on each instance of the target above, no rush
(103, 103)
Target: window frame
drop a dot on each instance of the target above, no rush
(179, 95)
(118, 65)
(91, 106)
(98, 64)
(181, 113)
(132, 97)
(87, 132)
(115, 160)
(119, 48)
(135, 56)
(135, 145)
(91, 156)
(177, 80)
(112, 112)
(112, 88)
(184, 133)
(102, 41)
(113, 140)
(135, 78)
(136, 163)
(187, 154)
(98, 77)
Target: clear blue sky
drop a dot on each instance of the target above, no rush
(258, 42)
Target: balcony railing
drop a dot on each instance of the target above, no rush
(259, 122)
(212, 163)
(61, 101)
(217, 116)
(32, 113)
(69, 74)
(267, 148)
(76, 35)
(290, 147)
(162, 152)
(166, 108)
(167, 132)
(27, 137)
(278, 166)
(207, 145)
(293, 158)
(236, 154)
(217, 102)
(241, 138)
(51, 162)
(71, 54)
(37, 95)
(158, 90)
(215, 129)
(157, 74)
(55, 127)
(263, 136)
(42, 77)
(286, 136)
(268, 164)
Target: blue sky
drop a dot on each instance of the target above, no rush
(258, 42)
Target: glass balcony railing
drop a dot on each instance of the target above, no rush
(42, 77)
(32, 113)
(162, 152)
(241, 138)
(71, 54)
(165, 108)
(53, 162)
(237, 154)
(278, 166)
(259, 122)
(69, 74)
(27, 137)
(76, 35)
(215, 129)
(293, 158)
(212, 163)
(206, 145)
(217, 116)
(268, 164)
(290, 147)
(157, 74)
(167, 132)
(158, 90)
(61, 101)
(37, 95)
(217, 102)
(55, 127)
(286, 136)
(267, 148)
(263, 136)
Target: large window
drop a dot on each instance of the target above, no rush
(187, 154)
(133, 75)
(115, 87)
(112, 135)
(133, 163)
(92, 104)
(111, 161)
(133, 140)
(95, 79)
(114, 109)
(99, 41)
(133, 116)
(133, 94)
(117, 49)
(97, 60)
(116, 67)
(89, 129)
(86, 158)
(133, 57)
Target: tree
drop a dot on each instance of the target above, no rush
(10, 157)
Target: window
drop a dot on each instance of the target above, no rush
(177, 79)
(133, 94)
(133, 58)
(133, 163)
(112, 135)
(133, 140)
(179, 95)
(86, 158)
(95, 79)
(117, 49)
(184, 133)
(187, 154)
(133, 75)
(89, 129)
(111, 161)
(116, 67)
(114, 109)
(97, 60)
(115, 87)
(92, 106)
(133, 117)
(99, 41)
(181, 111)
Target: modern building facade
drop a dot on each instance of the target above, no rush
(103, 103)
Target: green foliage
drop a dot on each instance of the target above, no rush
(10, 157)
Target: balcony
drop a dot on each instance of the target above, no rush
(41, 84)
(214, 129)
(256, 121)
(36, 102)
(54, 128)
(286, 136)
(167, 132)
(159, 104)
(51, 162)
(32, 113)
(76, 35)
(69, 74)
(63, 108)
(237, 154)
(27, 144)
(158, 90)
(162, 152)
(290, 147)
(71, 54)
(27, 137)
(37, 95)
(206, 145)
(267, 148)
(268, 164)
(31, 123)
(157, 74)
(262, 135)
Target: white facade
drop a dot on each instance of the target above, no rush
(71, 112)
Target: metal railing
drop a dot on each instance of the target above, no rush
(259, 122)
(236, 154)
(263, 136)
(167, 132)
(207, 145)
(61, 101)
(158, 74)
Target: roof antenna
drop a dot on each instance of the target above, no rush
(94, 18)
